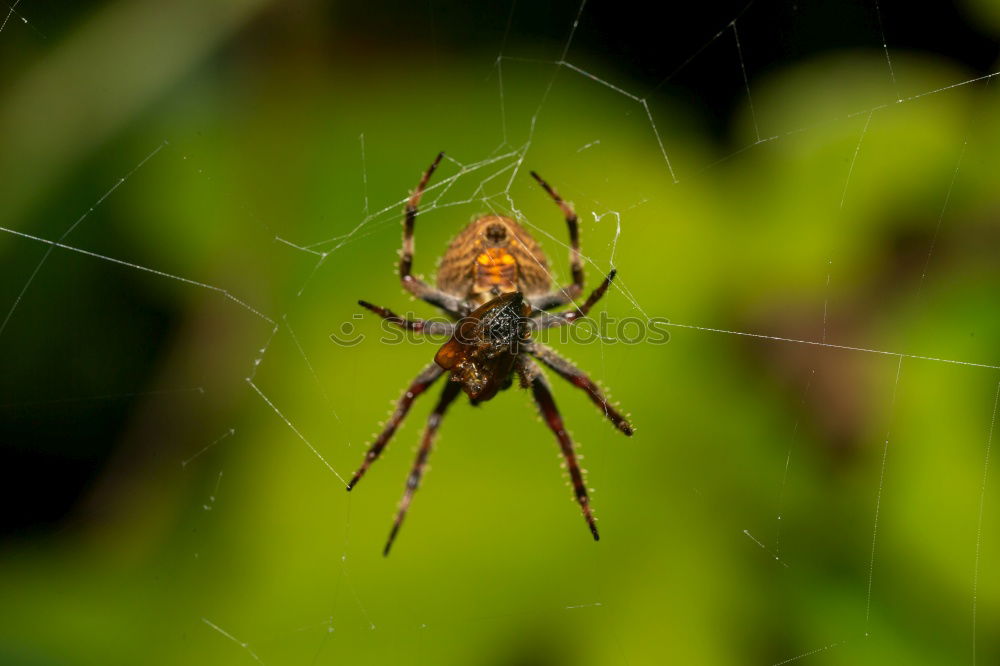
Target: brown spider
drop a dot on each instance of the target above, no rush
(494, 281)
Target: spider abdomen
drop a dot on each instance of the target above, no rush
(493, 255)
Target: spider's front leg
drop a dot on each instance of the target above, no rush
(412, 283)
(423, 381)
(567, 294)
(431, 327)
(531, 375)
(545, 320)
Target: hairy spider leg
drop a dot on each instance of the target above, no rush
(577, 377)
(547, 320)
(419, 385)
(450, 392)
(568, 293)
(411, 283)
(547, 408)
(416, 325)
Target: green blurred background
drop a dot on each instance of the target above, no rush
(781, 502)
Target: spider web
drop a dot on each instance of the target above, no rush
(299, 282)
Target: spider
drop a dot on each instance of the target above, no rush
(494, 281)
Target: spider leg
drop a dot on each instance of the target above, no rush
(577, 377)
(533, 377)
(545, 320)
(419, 385)
(411, 283)
(566, 294)
(431, 327)
(450, 392)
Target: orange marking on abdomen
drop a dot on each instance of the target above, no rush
(496, 267)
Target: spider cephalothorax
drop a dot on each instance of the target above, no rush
(485, 345)
(494, 281)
